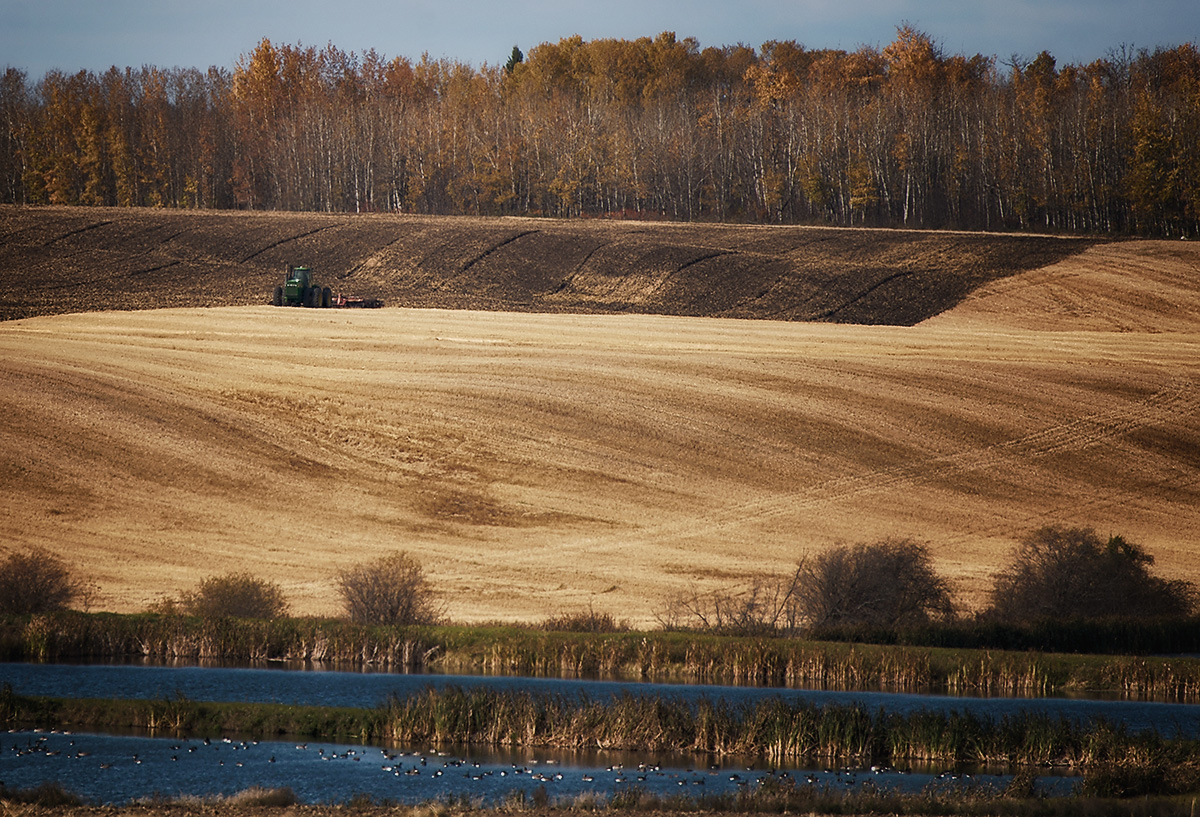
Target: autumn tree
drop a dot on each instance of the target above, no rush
(656, 126)
(16, 112)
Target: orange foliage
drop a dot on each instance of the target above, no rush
(652, 127)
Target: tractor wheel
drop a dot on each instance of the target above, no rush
(310, 297)
(277, 300)
(326, 297)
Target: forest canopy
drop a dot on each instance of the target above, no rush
(655, 127)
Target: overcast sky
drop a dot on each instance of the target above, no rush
(39, 35)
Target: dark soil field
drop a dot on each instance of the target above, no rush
(54, 261)
(557, 416)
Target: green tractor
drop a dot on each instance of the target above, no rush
(299, 290)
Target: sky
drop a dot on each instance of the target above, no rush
(37, 36)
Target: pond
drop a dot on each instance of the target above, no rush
(120, 768)
(370, 689)
(116, 769)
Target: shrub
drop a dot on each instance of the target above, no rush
(590, 621)
(891, 582)
(258, 797)
(766, 606)
(1064, 573)
(47, 795)
(36, 582)
(239, 595)
(391, 590)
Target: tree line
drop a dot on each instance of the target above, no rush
(906, 135)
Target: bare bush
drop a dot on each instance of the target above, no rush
(766, 606)
(391, 590)
(1063, 573)
(238, 595)
(590, 621)
(886, 583)
(36, 581)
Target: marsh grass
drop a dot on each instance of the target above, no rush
(176, 637)
(183, 717)
(660, 656)
(773, 729)
(258, 796)
(255, 797)
(48, 795)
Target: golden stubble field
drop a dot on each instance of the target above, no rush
(539, 464)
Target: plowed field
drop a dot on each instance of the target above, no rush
(574, 448)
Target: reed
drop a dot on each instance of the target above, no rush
(772, 729)
(77, 635)
(658, 656)
(183, 717)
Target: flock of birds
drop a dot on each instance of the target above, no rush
(431, 765)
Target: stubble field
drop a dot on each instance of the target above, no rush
(568, 452)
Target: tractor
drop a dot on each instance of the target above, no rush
(299, 290)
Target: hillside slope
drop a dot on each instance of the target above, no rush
(59, 260)
(1133, 286)
(540, 463)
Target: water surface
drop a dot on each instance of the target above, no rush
(116, 769)
(371, 689)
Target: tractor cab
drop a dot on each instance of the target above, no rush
(298, 289)
(299, 279)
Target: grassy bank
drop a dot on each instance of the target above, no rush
(1128, 636)
(259, 802)
(656, 656)
(782, 799)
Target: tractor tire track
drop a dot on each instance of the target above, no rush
(87, 228)
(829, 314)
(286, 240)
(374, 256)
(466, 267)
(1179, 398)
(569, 279)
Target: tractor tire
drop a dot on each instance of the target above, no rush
(326, 297)
(310, 297)
(277, 300)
